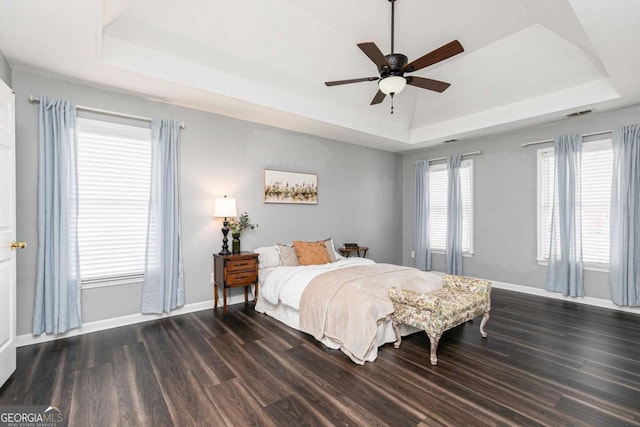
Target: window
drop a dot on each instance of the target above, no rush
(114, 166)
(438, 189)
(597, 169)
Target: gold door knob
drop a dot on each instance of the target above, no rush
(17, 245)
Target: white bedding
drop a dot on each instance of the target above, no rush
(284, 285)
(282, 289)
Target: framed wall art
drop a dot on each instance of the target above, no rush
(290, 187)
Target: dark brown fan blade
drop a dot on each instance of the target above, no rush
(434, 85)
(344, 82)
(378, 98)
(440, 54)
(371, 50)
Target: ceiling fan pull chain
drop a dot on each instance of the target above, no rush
(392, 101)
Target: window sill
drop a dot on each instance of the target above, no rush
(464, 254)
(105, 283)
(602, 268)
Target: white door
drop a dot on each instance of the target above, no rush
(7, 234)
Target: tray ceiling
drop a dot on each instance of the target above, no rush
(525, 61)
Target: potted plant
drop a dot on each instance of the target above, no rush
(237, 226)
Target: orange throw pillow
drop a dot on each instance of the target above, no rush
(311, 253)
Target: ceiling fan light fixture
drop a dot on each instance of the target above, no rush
(392, 67)
(392, 84)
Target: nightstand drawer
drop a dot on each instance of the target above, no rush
(241, 265)
(241, 278)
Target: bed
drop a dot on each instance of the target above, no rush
(342, 303)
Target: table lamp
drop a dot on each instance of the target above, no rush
(225, 207)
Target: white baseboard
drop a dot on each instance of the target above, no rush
(100, 325)
(597, 302)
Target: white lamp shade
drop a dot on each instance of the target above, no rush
(225, 207)
(392, 84)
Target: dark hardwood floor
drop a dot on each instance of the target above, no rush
(545, 362)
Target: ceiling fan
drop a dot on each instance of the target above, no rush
(392, 67)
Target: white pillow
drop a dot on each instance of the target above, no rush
(268, 256)
(287, 255)
(330, 247)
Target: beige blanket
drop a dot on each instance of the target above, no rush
(347, 304)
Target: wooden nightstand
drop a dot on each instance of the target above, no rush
(347, 251)
(231, 271)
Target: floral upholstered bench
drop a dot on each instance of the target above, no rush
(460, 299)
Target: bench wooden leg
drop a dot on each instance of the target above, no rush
(434, 348)
(485, 318)
(396, 330)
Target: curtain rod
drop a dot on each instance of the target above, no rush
(473, 153)
(546, 141)
(107, 112)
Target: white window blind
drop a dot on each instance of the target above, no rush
(597, 169)
(114, 166)
(438, 189)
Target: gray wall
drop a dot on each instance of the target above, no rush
(359, 191)
(5, 70)
(505, 201)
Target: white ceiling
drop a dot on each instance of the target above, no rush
(525, 61)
